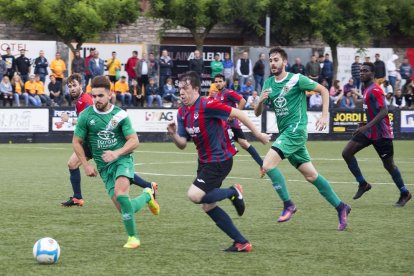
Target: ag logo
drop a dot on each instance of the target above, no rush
(280, 102)
(106, 135)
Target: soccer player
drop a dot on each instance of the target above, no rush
(204, 121)
(231, 98)
(376, 132)
(286, 94)
(108, 131)
(83, 100)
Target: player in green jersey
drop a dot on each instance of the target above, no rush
(108, 131)
(285, 93)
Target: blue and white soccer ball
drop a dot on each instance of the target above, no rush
(46, 251)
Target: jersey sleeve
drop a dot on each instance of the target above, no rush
(81, 129)
(233, 96)
(127, 128)
(216, 109)
(180, 125)
(379, 96)
(306, 83)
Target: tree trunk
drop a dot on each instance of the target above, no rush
(334, 50)
(73, 49)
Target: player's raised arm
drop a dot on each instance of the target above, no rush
(258, 110)
(262, 137)
(180, 142)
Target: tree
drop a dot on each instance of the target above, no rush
(71, 20)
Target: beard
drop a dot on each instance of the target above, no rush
(101, 106)
(277, 71)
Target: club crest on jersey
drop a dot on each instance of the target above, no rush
(195, 115)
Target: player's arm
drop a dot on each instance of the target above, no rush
(179, 141)
(381, 115)
(131, 144)
(262, 137)
(258, 109)
(323, 121)
(78, 149)
(241, 104)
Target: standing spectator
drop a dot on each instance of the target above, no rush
(313, 69)
(216, 66)
(96, 65)
(55, 91)
(298, 67)
(40, 89)
(18, 91)
(398, 101)
(10, 63)
(392, 70)
(136, 92)
(406, 71)
(41, 65)
(327, 70)
(130, 67)
(228, 70)
(197, 63)
(152, 93)
(6, 91)
(114, 67)
(30, 89)
(122, 92)
(380, 71)
(58, 68)
(315, 101)
(169, 91)
(3, 69)
(247, 89)
(153, 66)
(258, 72)
(23, 65)
(355, 72)
(321, 59)
(79, 66)
(88, 74)
(244, 68)
(252, 100)
(347, 101)
(166, 65)
(142, 70)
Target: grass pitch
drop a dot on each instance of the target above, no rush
(184, 241)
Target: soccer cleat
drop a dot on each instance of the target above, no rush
(404, 198)
(154, 187)
(262, 172)
(132, 243)
(287, 213)
(343, 213)
(239, 247)
(237, 200)
(73, 201)
(152, 203)
(362, 189)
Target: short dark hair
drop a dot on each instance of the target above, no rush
(192, 77)
(135, 52)
(113, 52)
(220, 76)
(101, 82)
(280, 51)
(75, 77)
(370, 65)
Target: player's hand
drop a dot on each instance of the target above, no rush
(64, 117)
(90, 170)
(109, 156)
(264, 95)
(171, 129)
(321, 123)
(360, 130)
(264, 138)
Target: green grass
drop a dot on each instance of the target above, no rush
(183, 240)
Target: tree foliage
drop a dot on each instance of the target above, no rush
(71, 20)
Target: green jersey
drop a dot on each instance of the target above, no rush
(288, 100)
(104, 131)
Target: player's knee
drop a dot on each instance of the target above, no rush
(194, 197)
(72, 165)
(311, 177)
(345, 155)
(244, 144)
(208, 207)
(266, 166)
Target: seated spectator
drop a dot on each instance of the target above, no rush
(213, 88)
(252, 101)
(335, 88)
(55, 91)
(409, 99)
(136, 92)
(335, 94)
(407, 86)
(386, 87)
(398, 101)
(350, 86)
(325, 84)
(18, 90)
(67, 95)
(40, 88)
(315, 101)
(169, 91)
(152, 93)
(388, 100)
(347, 101)
(30, 89)
(122, 92)
(6, 91)
(112, 89)
(235, 86)
(247, 89)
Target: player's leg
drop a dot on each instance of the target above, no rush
(241, 139)
(354, 145)
(75, 179)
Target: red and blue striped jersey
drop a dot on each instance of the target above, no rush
(231, 98)
(374, 100)
(83, 102)
(205, 123)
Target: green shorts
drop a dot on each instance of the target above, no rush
(293, 147)
(124, 167)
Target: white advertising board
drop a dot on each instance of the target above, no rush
(152, 120)
(313, 116)
(257, 121)
(24, 120)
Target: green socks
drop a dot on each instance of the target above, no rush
(128, 216)
(326, 191)
(279, 183)
(139, 202)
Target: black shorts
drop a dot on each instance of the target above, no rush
(211, 175)
(384, 147)
(238, 133)
(87, 150)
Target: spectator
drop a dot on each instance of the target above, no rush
(315, 101)
(388, 100)
(258, 72)
(41, 65)
(355, 68)
(244, 68)
(152, 93)
(380, 71)
(114, 68)
(409, 98)
(197, 63)
(40, 89)
(228, 69)
(66, 94)
(398, 101)
(130, 67)
(252, 100)
(55, 91)
(392, 70)
(347, 101)
(3, 69)
(313, 69)
(350, 86)
(30, 89)
(79, 66)
(367, 59)
(23, 65)
(10, 63)
(153, 66)
(321, 59)
(136, 92)
(335, 88)
(141, 71)
(247, 89)
(406, 71)
(169, 91)
(216, 65)
(213, 89)
(335, 94)
(18, 91)
(166, 66)
(96, 65)
(122, 92)
(88, 74)
(58, 68)
(6, 91)
(298, 67)
(236, 86)
(327, 70)
(386, 87)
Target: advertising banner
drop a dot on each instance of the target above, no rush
(24, 120)
(57, 124)
(313, 116)
(347, 121)
(152, 120)
(407, 121)
(257, 121)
